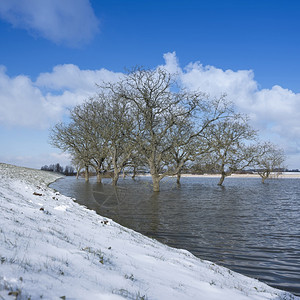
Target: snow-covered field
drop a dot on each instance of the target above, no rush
(52, 248)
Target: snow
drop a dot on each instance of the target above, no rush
(53, 248)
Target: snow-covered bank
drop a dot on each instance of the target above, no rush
(51, 247)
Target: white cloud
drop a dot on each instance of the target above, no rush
(70, 77)
(69, 21)
(67, 85)
(172, 63)
(22, 103)
(40, 103)
(275, 112)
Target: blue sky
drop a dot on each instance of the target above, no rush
(52, 52)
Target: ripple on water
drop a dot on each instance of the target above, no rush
(249, 227)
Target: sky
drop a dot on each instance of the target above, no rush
(54, 52)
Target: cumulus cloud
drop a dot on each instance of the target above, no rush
(67, 85)
(22, 103)
(71, 22)
(275, 112)
(70, 77)
(41, 103)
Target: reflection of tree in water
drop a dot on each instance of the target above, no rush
(83, 193)
(106, 195)
(132, 204)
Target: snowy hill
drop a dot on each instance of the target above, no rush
(52, 248)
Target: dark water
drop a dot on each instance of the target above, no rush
(247, 226)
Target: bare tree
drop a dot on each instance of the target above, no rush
(157, 105)
(270, 159)
(91, 119)
(97, 135)
(229, 140)
(136, 163)
(118, 125)
(83, 136)
(78, 165)
(70, 138)
(187, 145)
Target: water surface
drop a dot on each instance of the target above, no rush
(247, 226)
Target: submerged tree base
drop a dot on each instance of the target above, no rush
(155, 182)
(221, 179)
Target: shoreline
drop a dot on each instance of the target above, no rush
(53, 247)
(272, 176)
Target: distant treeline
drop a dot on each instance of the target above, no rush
(67, 170)
(292, 170)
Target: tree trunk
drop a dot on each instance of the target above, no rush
(116, 174)
(178, 178)
(155, 175)
(155, 181)
(264, 176)
(115, 178)
(87, 175)
(98, 170)
(223, 175)
(134, 173)
(116, 169)
(99, 177)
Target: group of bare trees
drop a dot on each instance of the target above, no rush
(146, 120)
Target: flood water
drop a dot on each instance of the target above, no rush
(247, 226)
